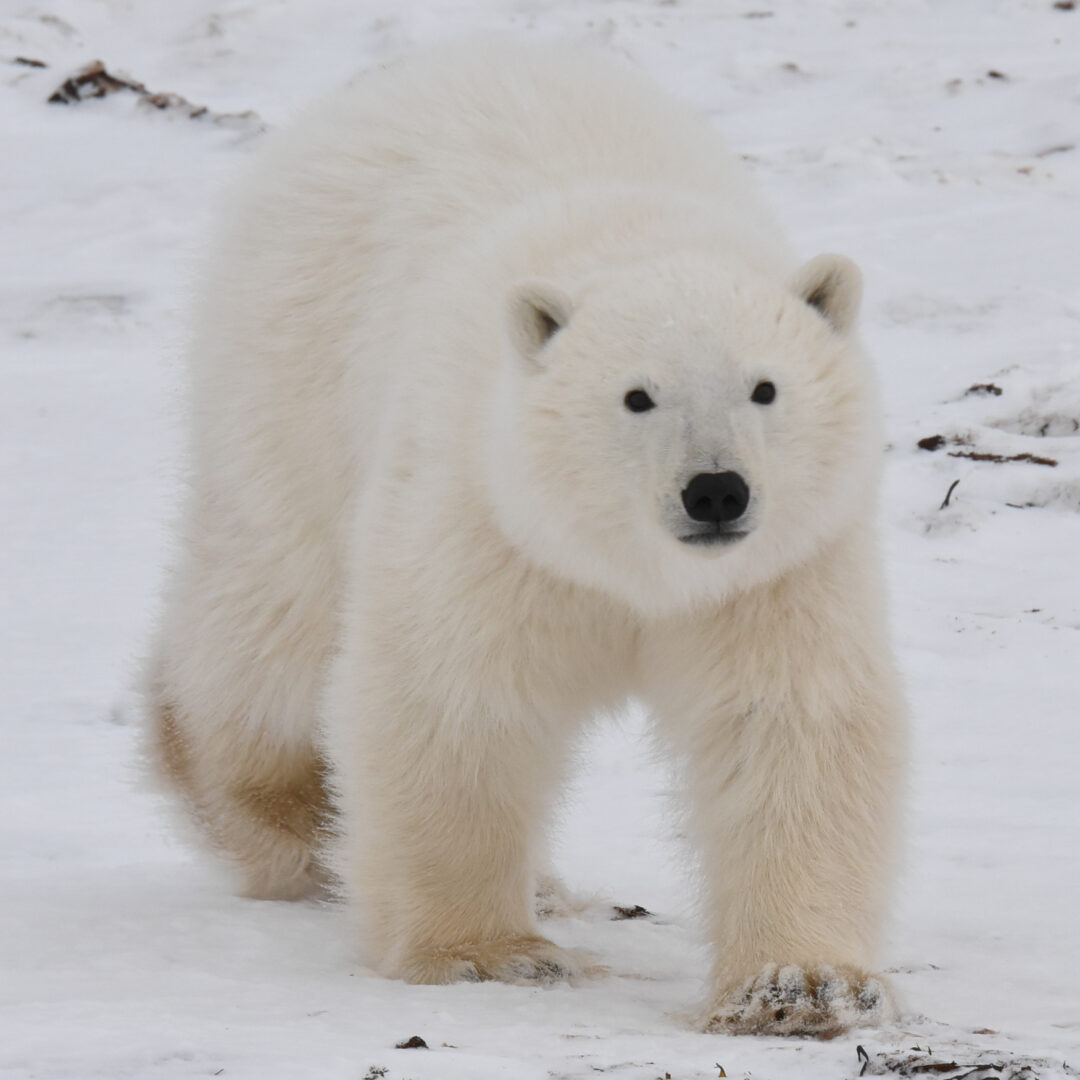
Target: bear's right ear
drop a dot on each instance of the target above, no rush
(832, 286)
(536, 312)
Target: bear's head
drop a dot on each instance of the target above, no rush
(675, 430)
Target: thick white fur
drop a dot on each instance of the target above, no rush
(415, 517)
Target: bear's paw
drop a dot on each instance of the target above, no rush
(821, 1002)
(522, 961)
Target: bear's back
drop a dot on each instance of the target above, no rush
(496, 122)
(432, 146)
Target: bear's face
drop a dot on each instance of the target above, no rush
(672, 432)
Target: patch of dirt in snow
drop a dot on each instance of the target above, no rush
(960, 1063)
(93, 80)
(1019, 430)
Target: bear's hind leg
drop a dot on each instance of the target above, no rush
(231, 688)
(263, 807)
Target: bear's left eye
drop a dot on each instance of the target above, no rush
(764, 393)
(638, 401)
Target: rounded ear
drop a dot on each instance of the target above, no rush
(535, 312)
(831, 284)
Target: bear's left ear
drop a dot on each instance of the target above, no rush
(832, 284)
(536, 311)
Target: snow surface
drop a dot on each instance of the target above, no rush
(877, 130)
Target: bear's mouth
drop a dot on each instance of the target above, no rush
(712, 537)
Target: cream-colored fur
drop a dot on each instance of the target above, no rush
(426, 539)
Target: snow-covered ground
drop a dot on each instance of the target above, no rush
(937, 143)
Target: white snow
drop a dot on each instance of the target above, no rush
(876, 130)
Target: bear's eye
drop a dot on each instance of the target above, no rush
(638, 401)
(764, 393)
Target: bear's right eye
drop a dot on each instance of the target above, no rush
(638, 401)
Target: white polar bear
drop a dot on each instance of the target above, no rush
(510, 403)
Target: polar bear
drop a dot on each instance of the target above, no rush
(511, 403)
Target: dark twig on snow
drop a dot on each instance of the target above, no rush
(635, 912)
(94, 81)
(1002, 458)
(1061, 148)
(936, 442)
(948, 494)
(91, 81)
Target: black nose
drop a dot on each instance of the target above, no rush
(716, 496)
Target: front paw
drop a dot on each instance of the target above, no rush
(524, 960)
(822, 1001)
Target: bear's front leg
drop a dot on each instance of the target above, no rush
(442, 811)
(785, 710)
